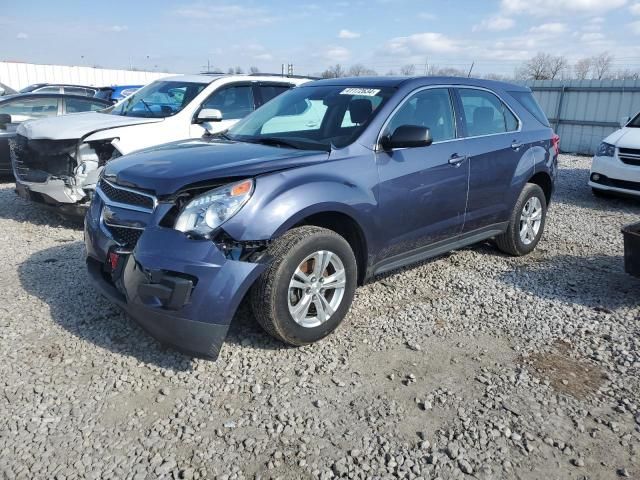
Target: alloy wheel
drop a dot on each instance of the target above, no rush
(316, 288)
(530, 220)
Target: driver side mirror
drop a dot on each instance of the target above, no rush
(2, 91)
(4, 120)
(209, 115)
(407, 136)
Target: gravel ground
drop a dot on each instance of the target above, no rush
(473, 365)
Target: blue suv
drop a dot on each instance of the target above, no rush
(315, 193)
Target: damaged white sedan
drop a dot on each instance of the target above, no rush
(57, 161)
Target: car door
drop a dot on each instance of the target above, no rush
(493, 143)
(423, 191)
(21, 109)
(235, 101)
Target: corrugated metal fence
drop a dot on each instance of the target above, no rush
(584, 112)
(19, 75)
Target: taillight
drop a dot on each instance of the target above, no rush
(555, 143)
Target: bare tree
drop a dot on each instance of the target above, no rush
(408, 70)
(602, 65)
(231, 71)
(451, 72)
(543, 66)
(359, 70)
(254, 69)
(335, 71)
(239, 70)
(582, 68)
(628, 74)
(391, 73)
(557, 66)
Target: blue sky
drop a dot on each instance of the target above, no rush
(181, 36)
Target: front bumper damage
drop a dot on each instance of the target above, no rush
(184, 292)
(58, 173)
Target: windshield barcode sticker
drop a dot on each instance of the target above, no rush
(364, 92)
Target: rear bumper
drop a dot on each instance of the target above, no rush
(183, 292)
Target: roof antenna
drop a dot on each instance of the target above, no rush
(471, 69)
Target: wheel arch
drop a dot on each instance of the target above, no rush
(543, 180)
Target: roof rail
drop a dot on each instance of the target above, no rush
(258, 74)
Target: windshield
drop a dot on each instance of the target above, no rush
(635, 123)
(158, 99)
(313, 117)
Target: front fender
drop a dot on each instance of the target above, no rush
(283, 199)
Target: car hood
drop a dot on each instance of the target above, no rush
(168, 168)
(625, 138)
(77, 125)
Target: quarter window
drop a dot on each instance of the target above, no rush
(485, 113)
(234, 102)
(430, 108)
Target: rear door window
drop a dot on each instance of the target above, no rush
(485, 113)
(75, 105)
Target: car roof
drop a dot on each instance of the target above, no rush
(55, 95)
(395, 82)
(209, 78)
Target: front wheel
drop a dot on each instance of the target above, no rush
(308, 287)
(526, 223)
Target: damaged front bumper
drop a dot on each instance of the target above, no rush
(49, 172)
(184, 292)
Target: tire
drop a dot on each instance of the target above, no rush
(511, 242)
(272, 296)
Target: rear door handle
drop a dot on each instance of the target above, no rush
(516, 145)
(456, 159)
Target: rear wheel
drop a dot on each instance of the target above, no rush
(308, 288)
(526, 223)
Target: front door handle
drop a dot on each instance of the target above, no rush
(516, 145)
(456, 159)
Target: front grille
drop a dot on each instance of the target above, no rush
(127, 237)
(630, 156)
(126, 196)
(36, 160)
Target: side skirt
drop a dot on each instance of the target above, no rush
(435, 249)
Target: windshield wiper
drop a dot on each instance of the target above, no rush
(276, 142)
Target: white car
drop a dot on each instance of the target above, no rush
(57, 161)
(616, 164)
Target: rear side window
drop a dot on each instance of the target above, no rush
(528, 101)
(75, 105)
(485, 113)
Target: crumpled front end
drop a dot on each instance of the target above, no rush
(60, 173)
(183, 291)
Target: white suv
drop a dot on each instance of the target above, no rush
(57, 161)
(616, 164)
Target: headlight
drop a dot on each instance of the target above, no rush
(606, 150)
(208, 211)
